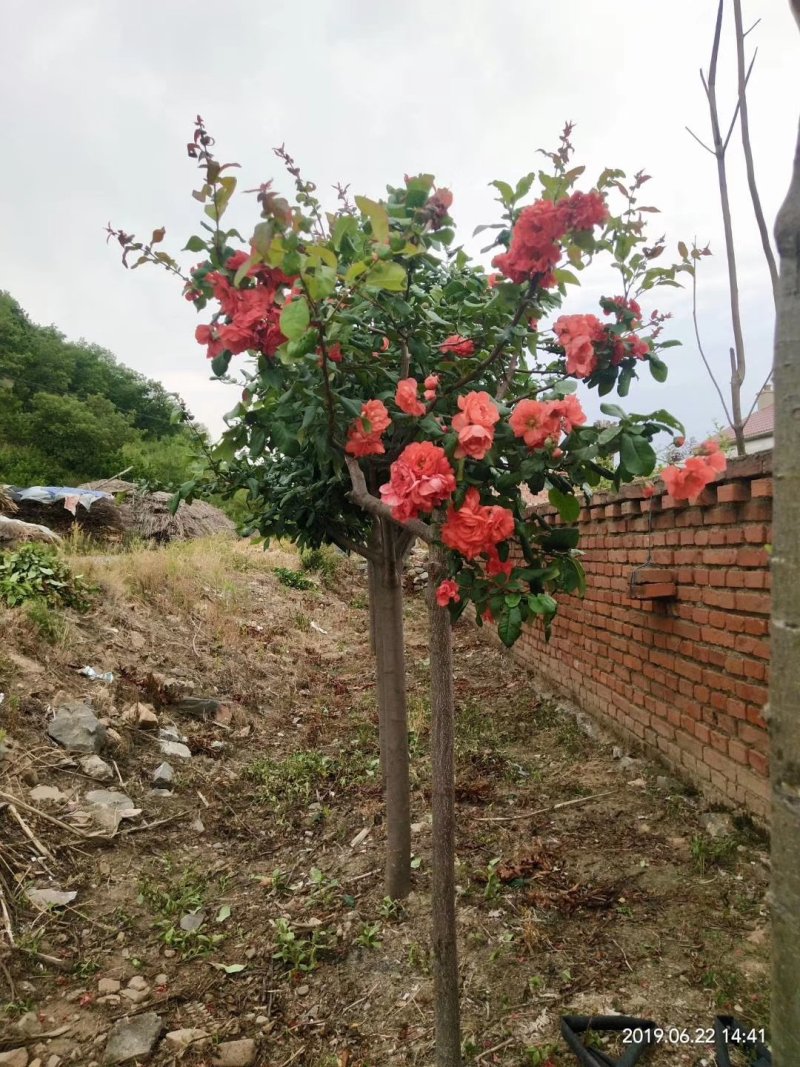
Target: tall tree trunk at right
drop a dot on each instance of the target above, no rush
(443, 890)
(784, 711)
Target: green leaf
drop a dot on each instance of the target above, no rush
(614, 410)
(241, 273)
(658, 369)
(560, 539)
(377, 215)
(220, 364)
(387, 275)
(355, 270)
(637, 454)
(569, 507)
(295, 318)
(510, 626)
(223, 913)
(345, 225)
(195, 244)
(505, 191)
(230, 968)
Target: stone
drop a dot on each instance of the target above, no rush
(135, 996)
(96, 768)
(161, 979)
(180, 1040)
(15, 1057)
(175, 749)
(198, 707)
(133, 1038)
(28, 1024)
(113, 738)
(110, 798)
(77, 729)
(192, 921)
(50, 898)
(716, 823)
(108, 985)
(138, 982)
(47, 794)
(53, 1061)
(146, 718)
(170, 733)
(163, 776)
(235, 1053)
(35, 1063)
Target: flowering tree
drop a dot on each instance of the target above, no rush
(397, 390)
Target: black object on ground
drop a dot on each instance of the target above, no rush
(730, 1033)
(573, 1025)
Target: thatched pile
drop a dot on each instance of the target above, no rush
(148, 515)
(7, 505)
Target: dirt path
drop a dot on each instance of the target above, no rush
(271, 843)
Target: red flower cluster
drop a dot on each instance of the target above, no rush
(364, 435)
(535, 247)
(475, 528)
(540, 422)
(688, 482)
(456, 345)
(431, 384)
(447, 591)
(578, 334)
(420, 479)
(253, 316)
(475, 425)
(406, 397)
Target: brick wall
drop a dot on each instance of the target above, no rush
(670, 646)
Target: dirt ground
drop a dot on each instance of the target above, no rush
(635, 900)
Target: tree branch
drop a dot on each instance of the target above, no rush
(766, 244)
(348, 545)
(702, 352)
(360, 495)
(701, 143)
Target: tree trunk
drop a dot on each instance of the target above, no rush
(784, 711)
(443, 892)
(386, 594)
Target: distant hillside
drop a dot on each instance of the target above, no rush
(69, 412)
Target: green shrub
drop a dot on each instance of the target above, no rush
(323, 560)
(294, 579)
(36, 573)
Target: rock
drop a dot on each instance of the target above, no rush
(163, 776)
(716, 823)
(170, 733)
(135, 996)
(113, 999)
(616, 752)
(112, 798)
(35, 1063)
(113, 738)
(146, 718)
(133, 1039)
(96, 768)
(192, 921)
(628, 763)
(28, 1024)
(198, 707)
(53, 1061)
(160, 793)
(175, 749)
(161, 979)
(77, 729)
(179, 1040)
(138, 982)
(108, 985)
(235, 1053)
(15, 1057)
(50, 898)
(47, 794)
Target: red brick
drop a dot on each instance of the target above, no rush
(753, 603)
(733, 492)
(737, 751)
(761, 487)
(759, 762)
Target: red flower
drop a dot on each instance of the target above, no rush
(496, 566)
(364, 435)
(431, 384)
(456, 345)
(209, 335)
(474, 528)
(688, 482)
(538, 422)
(406, 397)
(584, 210)
(335, 353)
(475, 425)
(578, 334)
(534, 245)
(420, 479)
(446, 592)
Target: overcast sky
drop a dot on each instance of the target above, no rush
(100, 97)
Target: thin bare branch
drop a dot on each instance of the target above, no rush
(758, 394)
(751, 28)
(701, 350)
(508, 377)
(738, 103)
(701, 143)
(405, 363)
(766, 243)
(360, 495)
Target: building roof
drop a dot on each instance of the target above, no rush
(761, 423)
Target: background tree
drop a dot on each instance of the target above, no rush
(70, 413)
(732, 403)
(784, 696)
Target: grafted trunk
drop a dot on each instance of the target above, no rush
(784, 712)
(443, 890)
(386, 614)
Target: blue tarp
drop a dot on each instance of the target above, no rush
(52, 494)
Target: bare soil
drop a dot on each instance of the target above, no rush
(621, 902)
